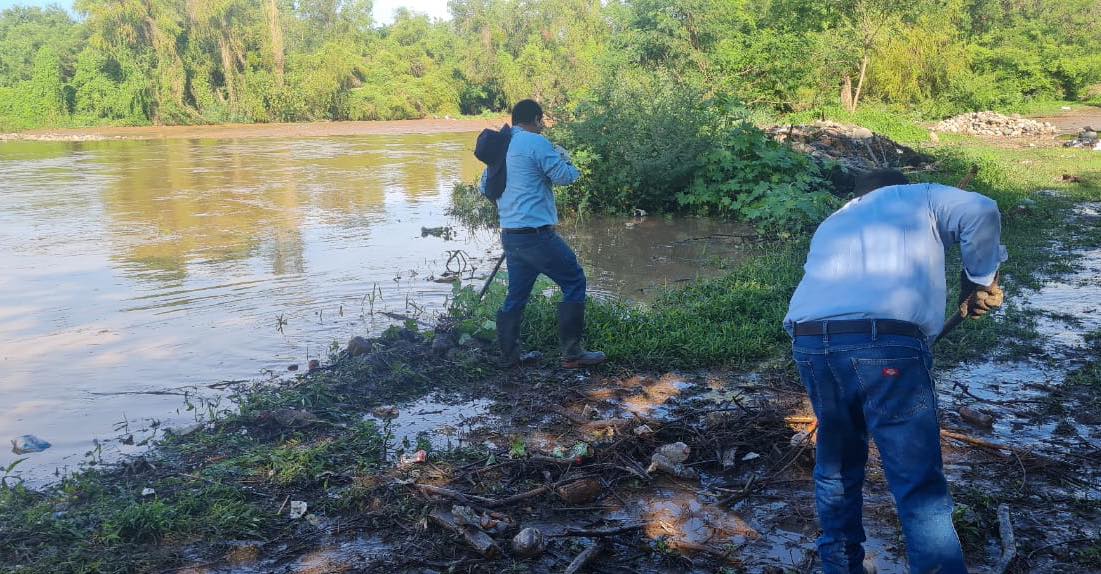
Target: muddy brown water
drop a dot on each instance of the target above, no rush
(137, 273)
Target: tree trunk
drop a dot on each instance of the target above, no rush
(229, 69)
(847, 93)
(276, 31)
(860, 83)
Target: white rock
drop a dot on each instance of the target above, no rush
(751, 456)
(148, 491)
(298, 509)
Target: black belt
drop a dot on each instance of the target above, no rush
(861, 326)
(528, 229)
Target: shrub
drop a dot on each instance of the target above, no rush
(749, 176)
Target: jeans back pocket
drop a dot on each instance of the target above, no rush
(895, 389)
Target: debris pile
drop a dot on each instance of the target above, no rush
(995, 124)
(1086, 139)
(855, 148)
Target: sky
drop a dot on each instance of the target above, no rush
(383, 9)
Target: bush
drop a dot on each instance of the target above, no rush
(637, 140)
(751, 177)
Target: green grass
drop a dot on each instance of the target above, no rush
(732, 320)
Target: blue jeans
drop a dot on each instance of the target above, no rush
(528, 255)
(861, 384)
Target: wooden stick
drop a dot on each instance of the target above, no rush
(454, 494)
(489, 281)
(519, 497)
(586, 556)
(1009, 542)
(598, 533)
(973, 441)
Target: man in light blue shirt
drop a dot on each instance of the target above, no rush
(528, 215)
(863, 318)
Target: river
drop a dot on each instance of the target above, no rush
(139, 273)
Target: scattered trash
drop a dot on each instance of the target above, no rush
(976, 417)
(529, 542)
(414, 458)
(314, 365)
(582, 491)
(492, 522)
(148, 492)
(292, 367)
(1086, 139)
(298, 509)
(669, 458)
(385, 412)
(856, 148)
(643, 430)
(580, 451)
(799, 438)
(676, 453)
(478, 540)
(995, 124)
(751, 456)
(27, 444)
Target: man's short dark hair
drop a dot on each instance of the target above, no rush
(873, 180)
(526, 112)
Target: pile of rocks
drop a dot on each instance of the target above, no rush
(995, 124)
(1086, 139)
(856, 148)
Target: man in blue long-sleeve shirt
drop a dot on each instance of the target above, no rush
(528, 217)
(862, 320)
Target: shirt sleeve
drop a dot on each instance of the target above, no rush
(557, 168)
(973, 221)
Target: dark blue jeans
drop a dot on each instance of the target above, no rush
(861, 384)
(528, 255)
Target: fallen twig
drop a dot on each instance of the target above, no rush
(598, 533)
(1009, 543)
(454, 494)
(519, 497)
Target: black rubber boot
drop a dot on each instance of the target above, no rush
(508, 337)
(571, 329)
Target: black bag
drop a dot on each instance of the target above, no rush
(491, 149)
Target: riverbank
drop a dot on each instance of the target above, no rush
(705, 365)
(272, 130)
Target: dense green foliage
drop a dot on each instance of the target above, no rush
(202, 61)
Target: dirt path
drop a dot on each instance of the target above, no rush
(1073, 121)
(232, 131)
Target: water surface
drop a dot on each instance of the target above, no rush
(138, 271)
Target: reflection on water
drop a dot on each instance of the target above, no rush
(132, 268)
